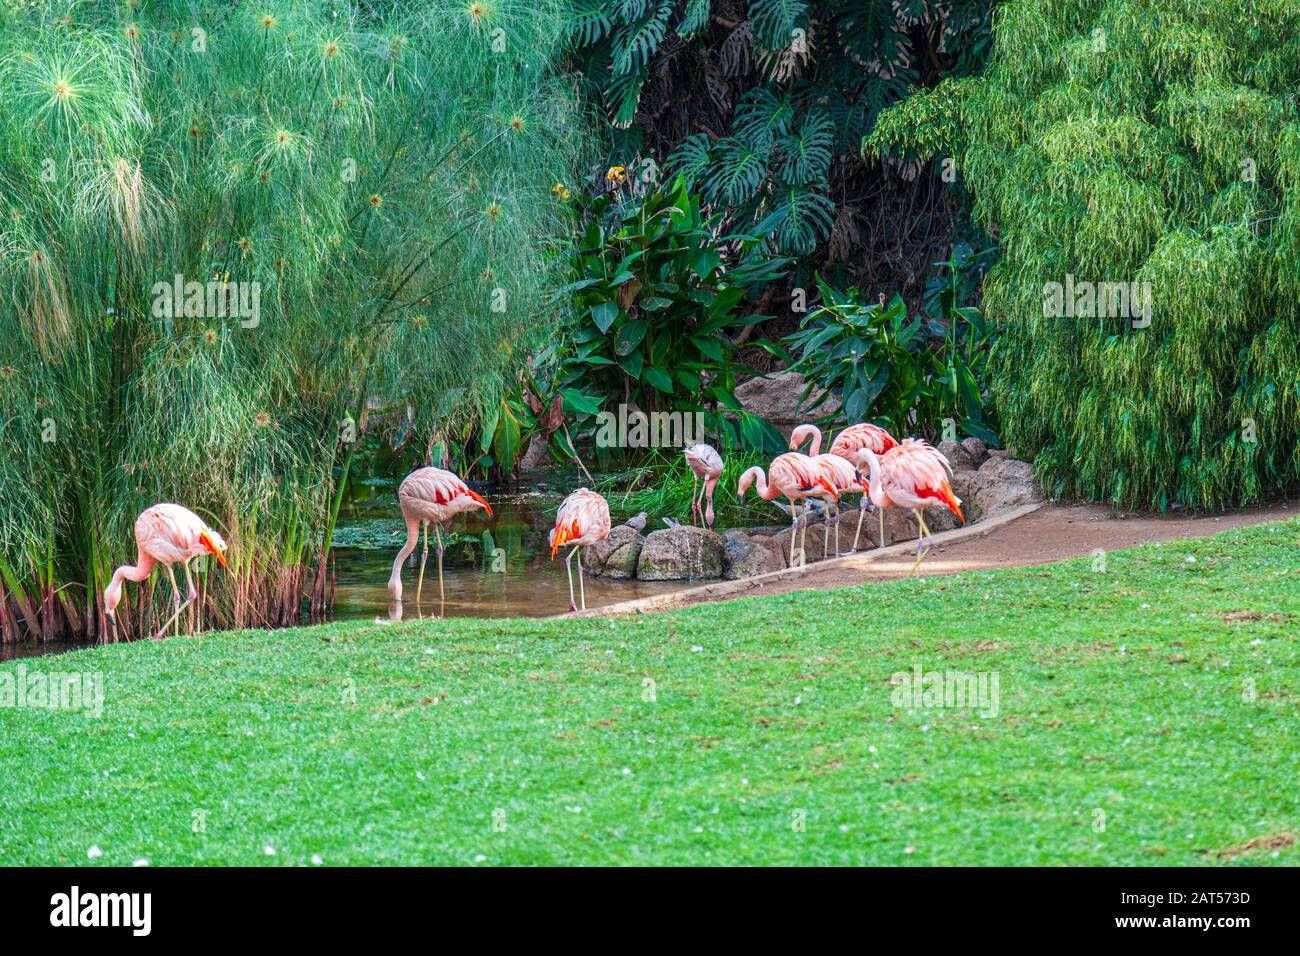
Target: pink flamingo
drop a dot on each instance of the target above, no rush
(913, 475)
(852, 440)
(429, 495)
(165, 534)
(583, 518)
(838, 471)
(706, 464)
(792, 476)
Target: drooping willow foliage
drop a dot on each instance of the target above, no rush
(379, 180)
(1124, 141)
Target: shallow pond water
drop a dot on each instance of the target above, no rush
(493, 567)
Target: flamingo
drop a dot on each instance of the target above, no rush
(429, 495)
(848, 443)
(706, 464)
(792, 476)
(839, 472)
(915, 476)
(583, 518)
(165, 534)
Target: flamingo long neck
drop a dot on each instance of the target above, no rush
(128, 572)
(815, 448)
(412, 539)
(756, 476)
(878, 496)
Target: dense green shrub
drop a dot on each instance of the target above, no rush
(1120, 141)
(910, 375)
(657, 294)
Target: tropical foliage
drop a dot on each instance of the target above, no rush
(378, 179)
(1155, 146)
(909, 374)
(658, 294)
(761, 104)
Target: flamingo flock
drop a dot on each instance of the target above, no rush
(864, 459)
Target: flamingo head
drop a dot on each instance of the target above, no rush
(112, 598)
(215, 545)
(801, 434)
(746, 480)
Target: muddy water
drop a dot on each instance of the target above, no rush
(493, 567)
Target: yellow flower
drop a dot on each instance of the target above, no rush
(565, 195)
(557, 188)
(616, 176)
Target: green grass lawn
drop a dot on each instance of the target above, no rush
(1147, 715)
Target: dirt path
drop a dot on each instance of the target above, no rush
(1026, 537)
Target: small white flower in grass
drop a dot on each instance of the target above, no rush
(695, 648)
(574, 809)
(316, 859)
(480, 858)
(698, 829)
(627, 771)
(871, 749)
(140, 862)
(430, 650)
(1145, 606)
(909, 849)
(269, 850)
(844, 828)
(94, 853)
(1190, 559)
(419, 775)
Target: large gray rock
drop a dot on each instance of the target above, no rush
(616, 556)
(964, 487)
(743, 557)
(777, 398)
(1003, 483)
(976, 449)
(676, 554)
(957, 455)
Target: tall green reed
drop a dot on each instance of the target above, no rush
(380, 172)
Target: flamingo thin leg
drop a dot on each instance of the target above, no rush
(176, 598)
(794, 527)
(423, 558)
(923, 533)
(442, 594)
(882, 527)
(568, 567)
(695, 504)
(192, 594)
(582, 587)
